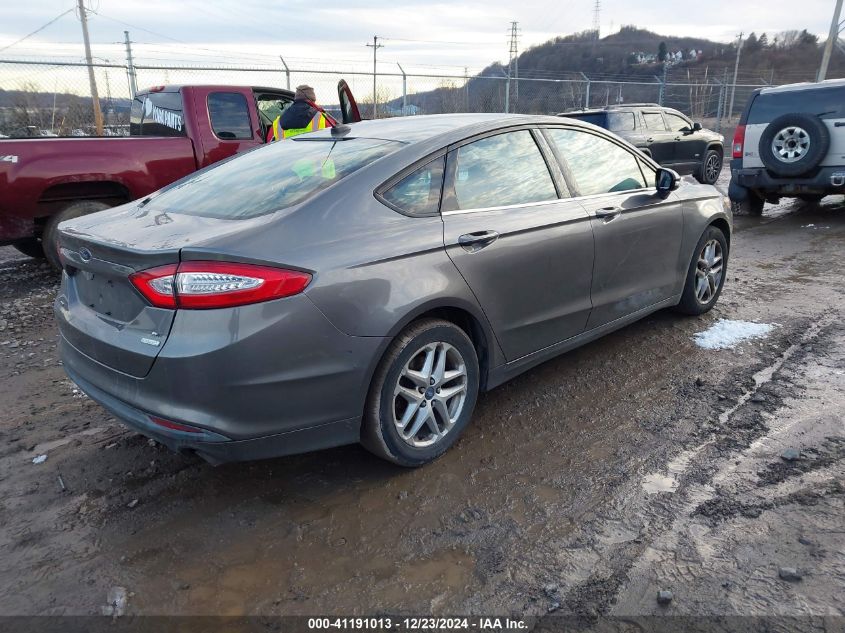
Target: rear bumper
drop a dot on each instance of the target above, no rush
(217, 449)
(262, 380)
(827, 180)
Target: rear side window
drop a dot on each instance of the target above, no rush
(620, 121)
(157, 114)
(597, 165)
(229, 116)
(501, 171)
(654, 121)
(827, 103)
(418, 193)
(269, 178)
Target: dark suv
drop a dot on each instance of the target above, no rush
(666, 135)
(790, 142)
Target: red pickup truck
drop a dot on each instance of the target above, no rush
(174, 130)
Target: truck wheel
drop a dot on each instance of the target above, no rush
(711, 167)
(31, 247)
(793, 144)
(74, 210)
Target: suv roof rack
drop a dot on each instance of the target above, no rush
(634, 105)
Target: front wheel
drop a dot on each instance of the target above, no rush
(706, 273)
(711, 167)
(30, 246)
(422, 395)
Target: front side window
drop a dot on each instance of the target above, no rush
(271, 106)
(654, 121)
(596, 164)
(620, 121)
(418, 193)
(229, 116)
(269, 178)
(677, 123)
(501, 171)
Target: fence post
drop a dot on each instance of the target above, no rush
(404, 90)
(508, 92)
(287, 71)
(130, 67)
(587, 95)
(720, 106)
(662, 91)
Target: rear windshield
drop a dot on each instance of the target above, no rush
(157, 114)
(269, 178)
(827, 103)
(596, 118)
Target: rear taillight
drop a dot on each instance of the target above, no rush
(205, 285)
(739, 141)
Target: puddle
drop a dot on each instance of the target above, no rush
(726, 333)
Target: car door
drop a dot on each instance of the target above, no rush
(637, 234)
(660, 142)
(348, 106)
(523, 245)
(689, 145)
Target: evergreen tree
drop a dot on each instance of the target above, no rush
(662, 52)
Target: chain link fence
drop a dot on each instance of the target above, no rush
(39, 98)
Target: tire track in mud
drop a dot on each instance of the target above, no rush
(644, 517)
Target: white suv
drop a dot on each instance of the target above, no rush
(790, 142)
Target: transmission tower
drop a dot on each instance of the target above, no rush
(597, 19)
(513, 58)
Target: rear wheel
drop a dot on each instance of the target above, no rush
(706, 273)
(30, 247)
(711, 167)
(422, 395)
(74, 210)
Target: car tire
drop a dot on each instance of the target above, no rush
(711, 167)
(704, 284)
(793, 144)
(31, 247)
(394, 395)
(74, 210)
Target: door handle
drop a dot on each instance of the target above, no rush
(608, 213)
(473, 242)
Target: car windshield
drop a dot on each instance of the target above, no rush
(270, 178)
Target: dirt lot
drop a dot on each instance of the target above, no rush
(639, 463)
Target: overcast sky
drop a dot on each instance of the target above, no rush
(455, 34)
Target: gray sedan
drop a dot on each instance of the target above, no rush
(366, 283)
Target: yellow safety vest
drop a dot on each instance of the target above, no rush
(319, 122)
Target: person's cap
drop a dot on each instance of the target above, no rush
(305, 92)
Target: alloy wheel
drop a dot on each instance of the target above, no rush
(430, 394)
(791, 144)
(712, 168)
(708, 272)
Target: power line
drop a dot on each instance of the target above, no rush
(39, 29)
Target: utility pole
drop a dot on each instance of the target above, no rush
(736, 72)
(597, 20)
(831, 40)
(375, 46)
(95, 98)
(513, 60)
(130, 66)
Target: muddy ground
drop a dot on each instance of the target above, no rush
(636, 464)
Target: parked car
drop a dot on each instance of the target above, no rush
(668, 136)
(790, 142)
(366, 283)
(174, 130)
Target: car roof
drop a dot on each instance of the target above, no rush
(807, 85)
(444, 128)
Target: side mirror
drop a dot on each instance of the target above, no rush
(696, 127)
(666, 181)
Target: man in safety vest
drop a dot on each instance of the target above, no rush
(300, 117)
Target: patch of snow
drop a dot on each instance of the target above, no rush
(726, 333)
(40, 459)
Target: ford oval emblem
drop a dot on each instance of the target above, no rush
(84, 254)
